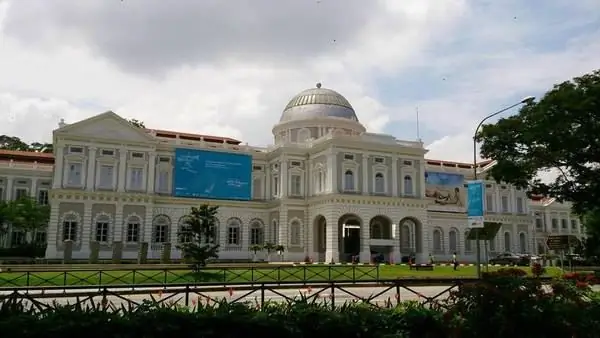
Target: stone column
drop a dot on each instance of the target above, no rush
(283, 178)
(151, 172)
(309, 179)
(365, 242)
(394, 176)
(9, 187)
(421, 192)
(331, 239)
(396, 254)
(86, 229)
(122, 170)
(268, 178)
(282, 235)
(365, 174)
(52, 232)
(58, 166)
(33, 191)
(90, 177)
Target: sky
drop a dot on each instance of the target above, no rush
(228, 68)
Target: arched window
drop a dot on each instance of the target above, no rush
(437, 241)
(257, 234)
(507, 241)
(349, 180)
(376, 230)
(379, 183)
(405, 236)
(70, 227)
(161, 229)
(408, 186)
(295, 233)
(452, 240)
(102, 228)
(468, 246)
(132, 231)
(233, 231)
(523, 242)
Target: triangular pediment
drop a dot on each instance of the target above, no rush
(107, 126)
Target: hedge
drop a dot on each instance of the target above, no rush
(501, 305)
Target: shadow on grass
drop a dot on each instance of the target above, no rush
(205, 277)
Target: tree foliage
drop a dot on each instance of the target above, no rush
(15, 143)
(137, 123)
(198, 235)
(558, 133)
(26, 214)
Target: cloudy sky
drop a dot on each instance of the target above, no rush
(229, 67)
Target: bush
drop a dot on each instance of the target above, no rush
(501, 305)
(32, 250)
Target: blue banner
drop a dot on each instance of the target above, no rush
(475, 203)
(212, 174)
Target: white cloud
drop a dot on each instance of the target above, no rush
(229, 69)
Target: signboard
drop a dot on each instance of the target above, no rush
(475, 203)
(212, 174)
(561, 242)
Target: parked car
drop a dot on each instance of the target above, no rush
(509, 258)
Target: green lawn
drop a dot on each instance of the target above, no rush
(312, 273)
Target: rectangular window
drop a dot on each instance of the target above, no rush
(563, 224)
(489, 203)
(538, 223)
(554, 223)
(275, 186)
(257, 188)
(74, 174)
(102, 232)
(136, 155)
(69, 231)
(296, 188)
(233, 237)
(20, 193)
(295, 234)
(43, 197)
(504, 202)
(40, 237)
(17, 238)
(136, 178)
(163, 181)
(133, 232)
(75, 150)
(160, 233)
(108, 152)
(520, 208)
(107, 174)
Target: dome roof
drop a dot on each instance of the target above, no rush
(318, 103)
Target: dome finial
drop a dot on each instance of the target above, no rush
(318, 84)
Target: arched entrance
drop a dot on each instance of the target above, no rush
(349, 227)
(381, 233)
(411, 236)
(319, 231)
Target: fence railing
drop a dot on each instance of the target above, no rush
(302, 274)
(384, 293)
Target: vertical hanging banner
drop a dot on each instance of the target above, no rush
(475, 205)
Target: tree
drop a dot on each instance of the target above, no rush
(27, 214)
(137, 123)
(13, 143)
(199, 230)
(4, 217)
(558, 133)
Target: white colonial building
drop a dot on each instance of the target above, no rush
(326, 189)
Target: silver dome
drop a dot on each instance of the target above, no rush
(318, 103)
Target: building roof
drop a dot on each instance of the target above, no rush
(26, 156)
(316, 103)
(192, 137)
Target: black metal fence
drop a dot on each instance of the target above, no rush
(387, 293)
(303, 274)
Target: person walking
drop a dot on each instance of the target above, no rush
(454, 261)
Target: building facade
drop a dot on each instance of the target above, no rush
(326, 189)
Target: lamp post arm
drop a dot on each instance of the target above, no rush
(477, 130)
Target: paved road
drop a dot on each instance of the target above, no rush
(276, 295)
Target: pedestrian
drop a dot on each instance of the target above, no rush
(454, 261)
(431, 259)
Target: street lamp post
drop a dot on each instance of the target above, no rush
(526, 100)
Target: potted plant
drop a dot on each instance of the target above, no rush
(255, 249)
(280, 249)
(270, 247)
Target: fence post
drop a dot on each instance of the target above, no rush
(377, 272)
(100, 277)
(187, 295)
(28, 281)
(329, 270)
(304, 274)
(279, 274)
(332, 296)
(262, 296)
(354, 273)
(397, 292)
(165, 278)
(133, 279)
(252, 274)
(64, 278)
